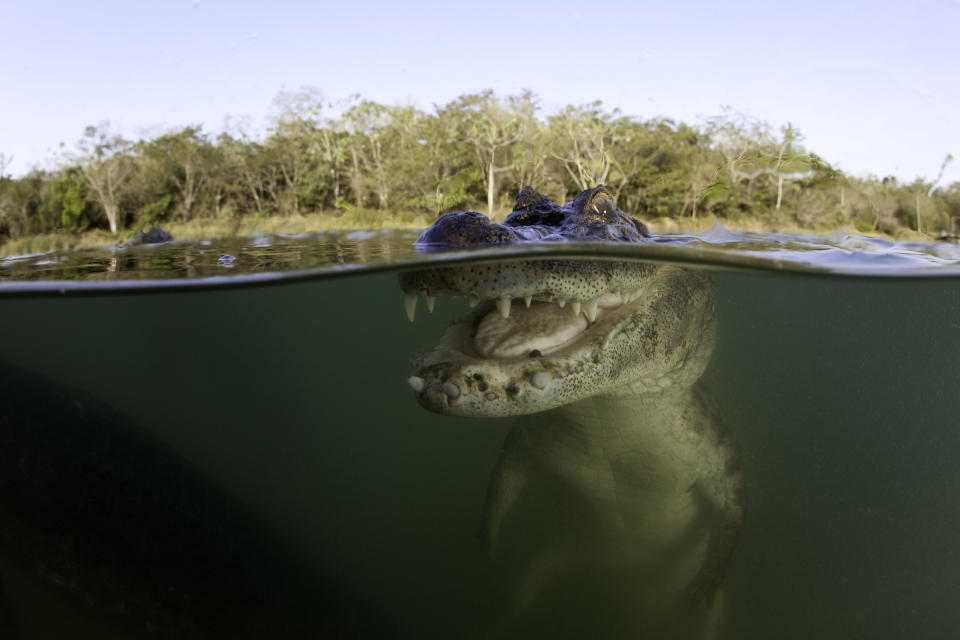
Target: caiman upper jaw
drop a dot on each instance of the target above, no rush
(460, 229)
(581, 283)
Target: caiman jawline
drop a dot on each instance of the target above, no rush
(484, 357)
(504, 304)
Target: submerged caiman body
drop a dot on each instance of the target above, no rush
(602, 359)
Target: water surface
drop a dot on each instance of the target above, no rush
(262, 259)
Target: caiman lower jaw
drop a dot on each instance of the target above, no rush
(537, 358)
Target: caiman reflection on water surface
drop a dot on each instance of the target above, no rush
(602, 359)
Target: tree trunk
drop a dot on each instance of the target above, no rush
(355, 182)
(490, 192)
(919, 229)
(383, 190)
(111, 210)
(779, 191)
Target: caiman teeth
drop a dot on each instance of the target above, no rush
(541, 379)
(416, 383)
(503, 306)
(410, 304)
(590, 309)
(452, 390)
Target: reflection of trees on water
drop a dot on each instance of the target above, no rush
(196, 259)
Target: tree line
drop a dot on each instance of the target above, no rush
(472, 153)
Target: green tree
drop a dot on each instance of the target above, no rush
(455, 176)
(106, 166)
(244, 177)
(177, 167)
(367, 126)
(785, 159)
(581, 138)
(20, 203)
(932, 187)
(306, 151)
(490, 128)
(67, 206)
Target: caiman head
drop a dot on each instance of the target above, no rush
(548, 332)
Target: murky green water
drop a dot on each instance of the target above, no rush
(235, 461)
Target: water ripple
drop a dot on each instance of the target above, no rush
(198, 263)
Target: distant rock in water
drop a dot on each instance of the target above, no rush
(114, 526)
(155, 235)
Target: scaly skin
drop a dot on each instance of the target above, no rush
(613, 415)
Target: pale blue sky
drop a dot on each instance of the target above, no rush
(874, 86)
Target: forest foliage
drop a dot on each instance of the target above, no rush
(475, 152)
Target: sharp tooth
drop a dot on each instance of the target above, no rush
(410, 304)
(430, 302)
(575, 305)
(503, 306)
(527, 301)
(562, 302)
(591, 310)
(416, 383)
(473, 302)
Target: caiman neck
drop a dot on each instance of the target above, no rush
(641, 415)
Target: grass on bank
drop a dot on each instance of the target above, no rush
(212, 228)
(365, 219)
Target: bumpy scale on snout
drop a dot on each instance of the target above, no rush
(591, 215)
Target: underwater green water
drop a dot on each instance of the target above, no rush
(277, 422)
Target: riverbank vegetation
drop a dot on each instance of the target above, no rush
(361, 164)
